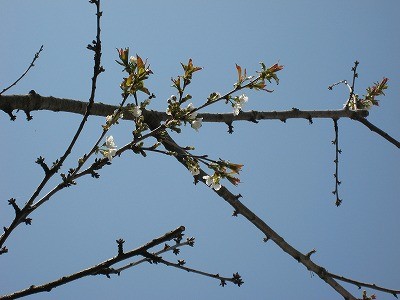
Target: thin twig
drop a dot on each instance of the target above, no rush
(178, 265)
(236, 279)
(164, 250)
(98, 164)
(32, 64)
(336, 161)
(364, 284)
(355, 75)
(97, 69)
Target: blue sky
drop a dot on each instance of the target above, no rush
(287, 178)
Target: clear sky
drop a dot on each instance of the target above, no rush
(287, 177)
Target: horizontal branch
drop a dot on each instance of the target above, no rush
(35, 102)
(96, 269)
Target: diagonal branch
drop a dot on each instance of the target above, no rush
(368, 285)
(240, 208)
(97, 70)
(154, 118)
(100, 268)
(379, 131)
(236, 279)
(32, 64)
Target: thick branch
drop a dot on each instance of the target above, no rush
(153, 118)
(27, 103)
(103, 266)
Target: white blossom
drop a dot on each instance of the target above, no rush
(133, 59)
(196, 124)
(110, 144)
(110, 118)
(111, 148)
(194, 170)
(136, 111)
(213, 182)
(190, 108)
(110, 153)
(243, 99)
(236, 109)
(239, 103)
(171, 98)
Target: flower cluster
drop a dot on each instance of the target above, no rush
(366, 297)
(269, 74)
(113, 119)
(215, 96)
(136, 111)
(178, 114)
(223, 169)
(194, 121)
(257, 83)
(109, 148)
(213, 181)
(369, 99)
(138, 71)
(238, 103)
(193, 166)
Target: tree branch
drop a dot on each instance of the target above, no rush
(32, 64)
(240, 208)
(100, 268)
(379, 131)
(97, 70)
(368, 285)
(28, 103)
(153, 119)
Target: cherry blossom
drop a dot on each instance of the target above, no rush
(213, 182)
(196, 124)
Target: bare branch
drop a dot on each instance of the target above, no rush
(379, 131)
(368, 285)
(180, 265)
(336, 161)
(97, 69)
(32, 64)
(167, 248)
(101, 268)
